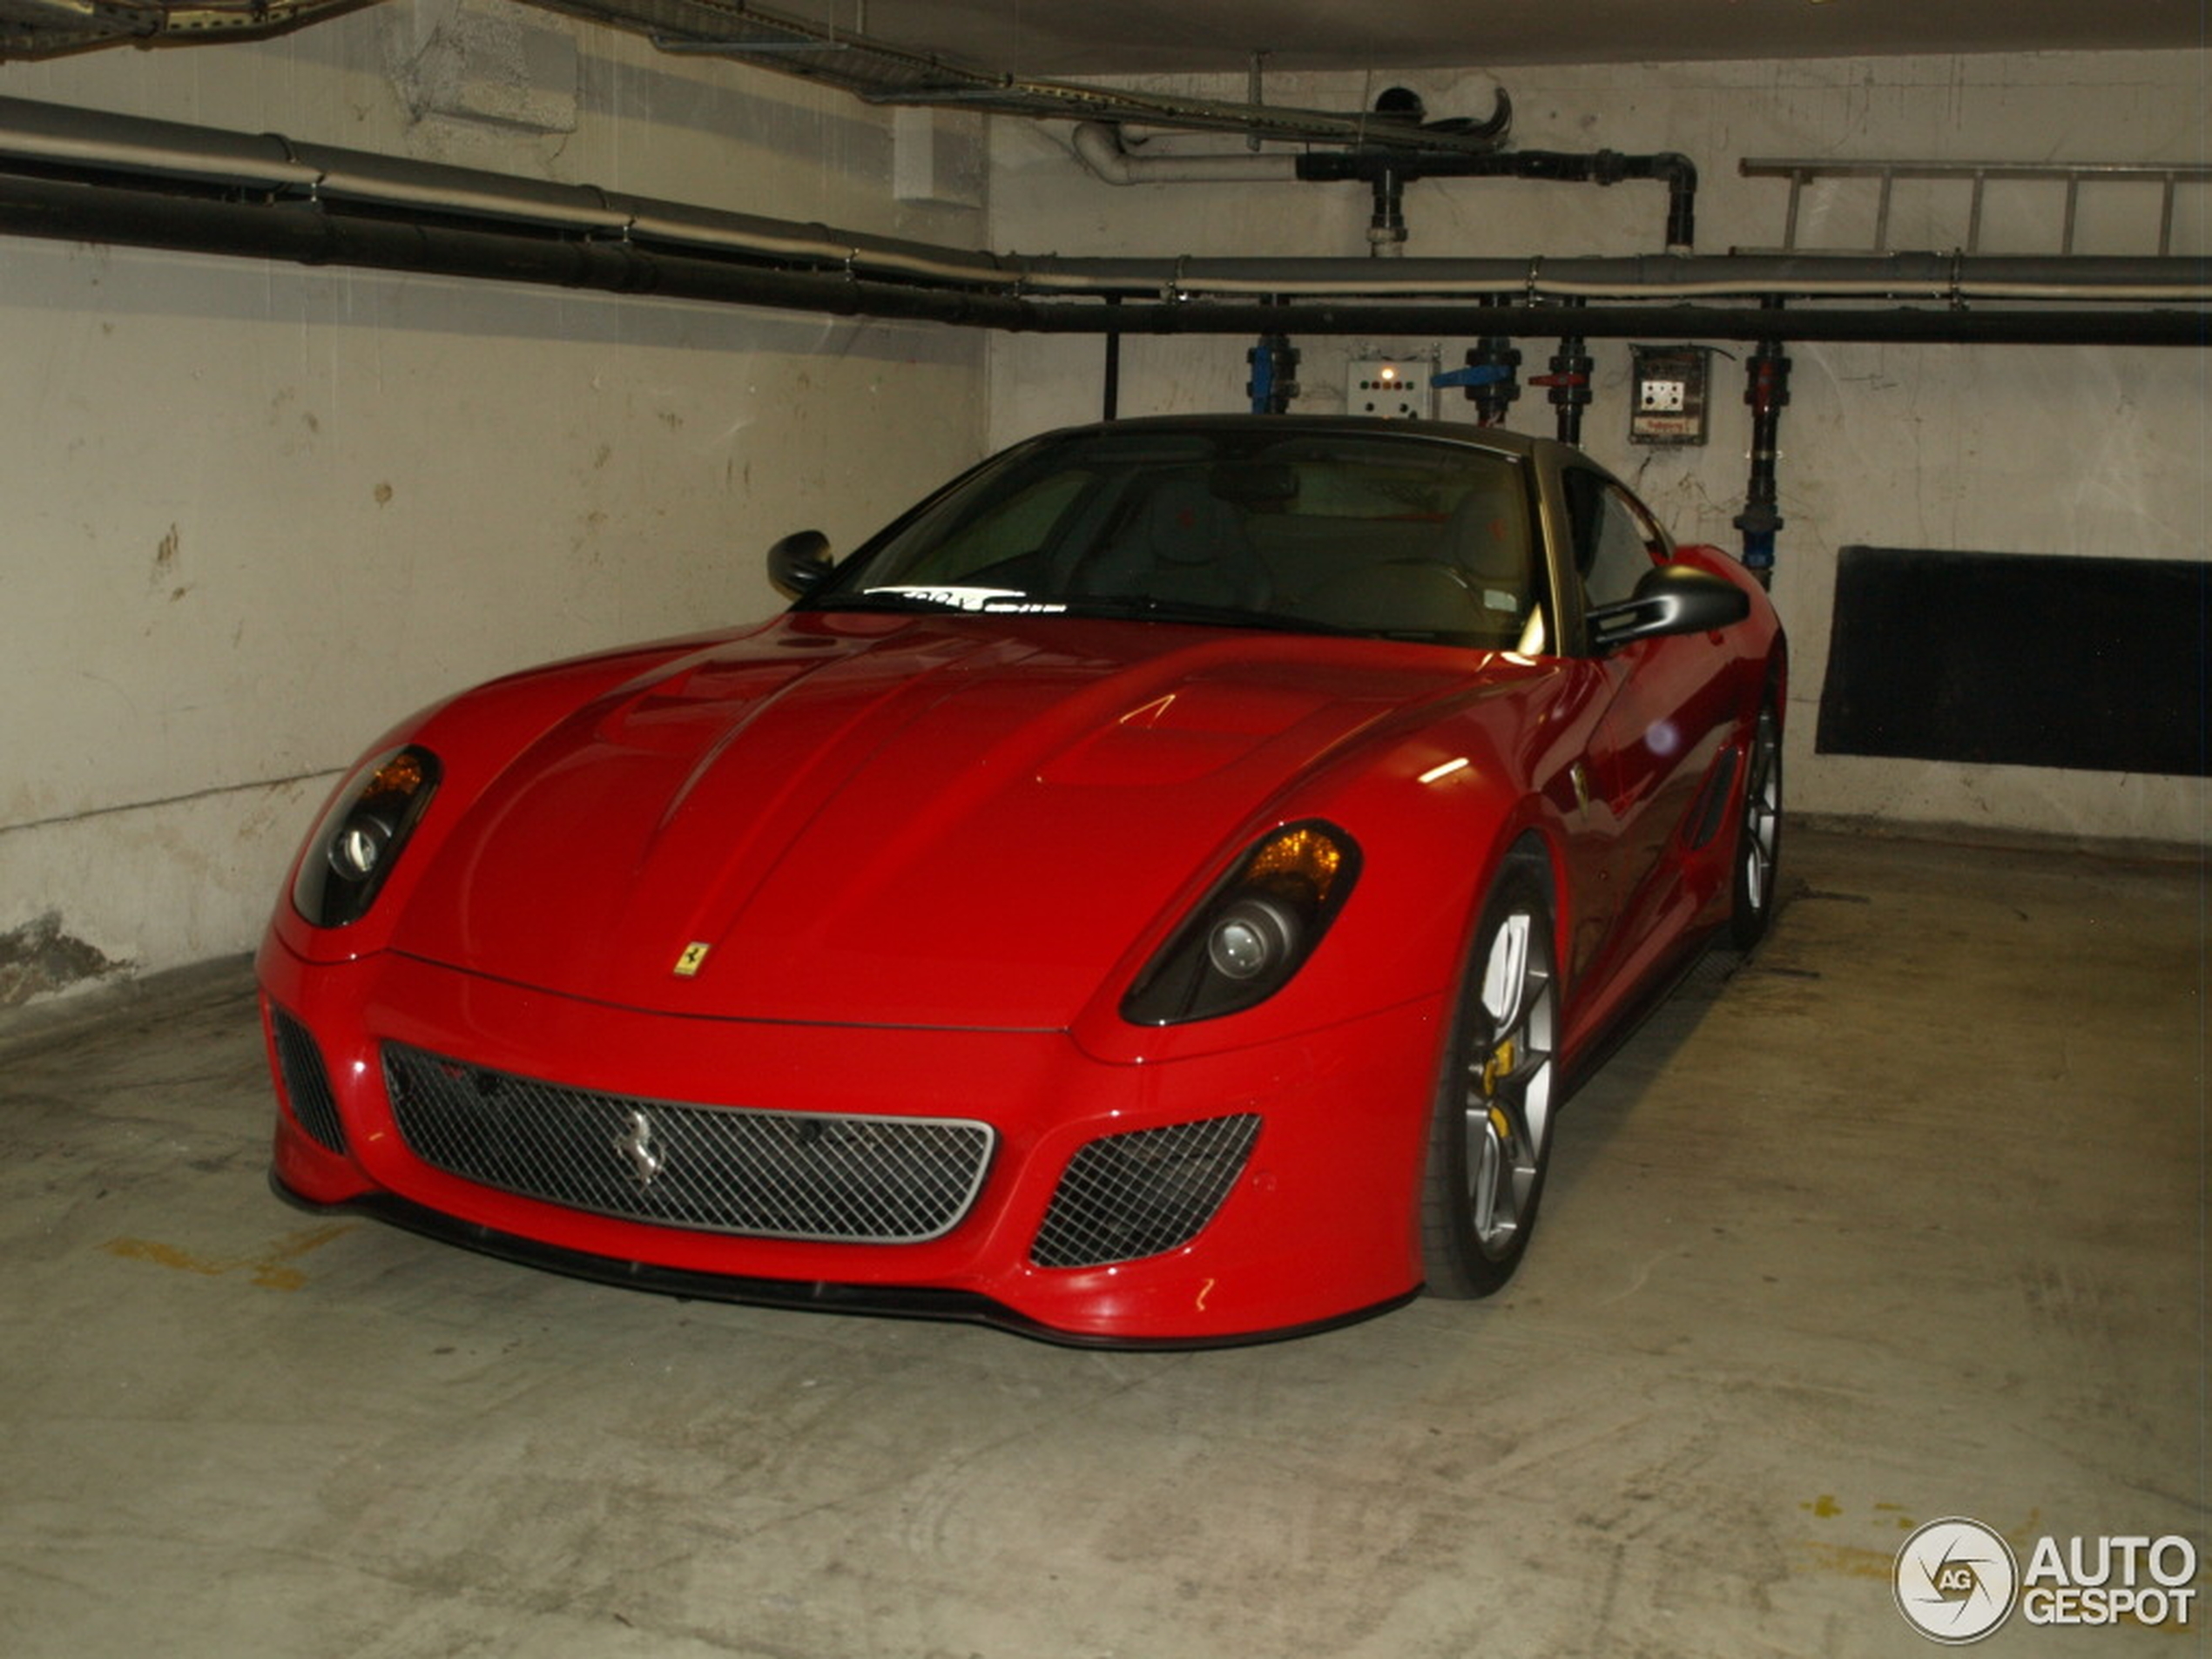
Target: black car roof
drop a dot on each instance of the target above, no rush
(1495, 439)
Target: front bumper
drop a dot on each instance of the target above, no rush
(1315, 1227)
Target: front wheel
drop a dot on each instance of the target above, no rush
(1490, 1133)
(1758, 834)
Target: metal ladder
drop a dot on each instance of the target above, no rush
(2073, 175)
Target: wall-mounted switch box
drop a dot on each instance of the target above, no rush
(1666, 391)
(1397, 388)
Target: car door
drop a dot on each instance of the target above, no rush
(1668, 705)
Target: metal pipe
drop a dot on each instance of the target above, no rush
(1387, 228)
(1099, 147)
(1677, 172)
(1948, 277)
(158, 185)
(1110, 396)
(107, 146)
(1567, 383)
(308, 233)
(100, 145)
(1906, 325)
(1766, 390)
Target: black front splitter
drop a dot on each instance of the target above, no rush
(889, 1301)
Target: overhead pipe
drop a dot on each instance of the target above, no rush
(311, 234)
(156, 184)
(1951, 278)
(103, 147)
(1676, 171)
(1098, 146)
(1905, 324)
(100, 146)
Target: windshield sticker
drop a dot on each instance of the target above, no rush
(997, 601)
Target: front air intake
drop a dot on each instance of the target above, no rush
(823, 1177)
(1144, 1192)
(307, 1082)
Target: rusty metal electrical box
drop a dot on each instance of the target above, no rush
(1668, 392)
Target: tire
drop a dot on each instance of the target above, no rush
(1489, 1141)
(1758, 834)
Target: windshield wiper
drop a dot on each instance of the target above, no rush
(1151, 608)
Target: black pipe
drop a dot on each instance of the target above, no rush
(57, 142)
(1677, 172)
(1111, 398)
(311, 233)
(1869, 276)
(1497, 364)
(1766, 390)
(2109, 325)
(1567, 385)
(1387, 227)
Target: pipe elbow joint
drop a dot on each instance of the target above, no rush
(1098, 146)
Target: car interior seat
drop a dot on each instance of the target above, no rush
(1184, 542)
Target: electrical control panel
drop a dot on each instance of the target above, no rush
(1667, 391)
(1396, 388)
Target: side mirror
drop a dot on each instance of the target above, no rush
(1672, 599)
(799, 563)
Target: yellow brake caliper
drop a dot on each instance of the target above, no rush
(1499, 1064)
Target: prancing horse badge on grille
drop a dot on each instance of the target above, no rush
(692, 960)
(636, 1146)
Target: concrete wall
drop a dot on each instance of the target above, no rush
(258, 512)
(2003, 449)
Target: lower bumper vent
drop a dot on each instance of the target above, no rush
(307, 1082)
(820, 1176)
(1152, 1190)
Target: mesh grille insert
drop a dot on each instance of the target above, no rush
(828, 1177)
(1153, 1190)
(307, 1081)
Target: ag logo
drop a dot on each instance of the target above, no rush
(1955, 1580)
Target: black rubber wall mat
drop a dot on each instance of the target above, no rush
(2092, 665)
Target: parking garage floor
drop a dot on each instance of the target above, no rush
(1900, 1220)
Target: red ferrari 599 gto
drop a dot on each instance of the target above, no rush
(1160, 890)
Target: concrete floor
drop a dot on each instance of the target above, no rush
(1900, 1221)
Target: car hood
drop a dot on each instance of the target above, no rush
(889, 819)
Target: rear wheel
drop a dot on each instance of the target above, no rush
(1490, 1135)
(1758, 835)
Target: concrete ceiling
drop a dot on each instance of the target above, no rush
(1046, 37)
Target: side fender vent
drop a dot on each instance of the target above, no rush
(1710, 810)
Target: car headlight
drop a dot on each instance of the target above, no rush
(362, 836)
(1252, 932)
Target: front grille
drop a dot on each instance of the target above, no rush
(1152, 1190)
(827, 1177)
(307, 1081)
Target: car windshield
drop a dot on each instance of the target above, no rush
(1328, 532)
